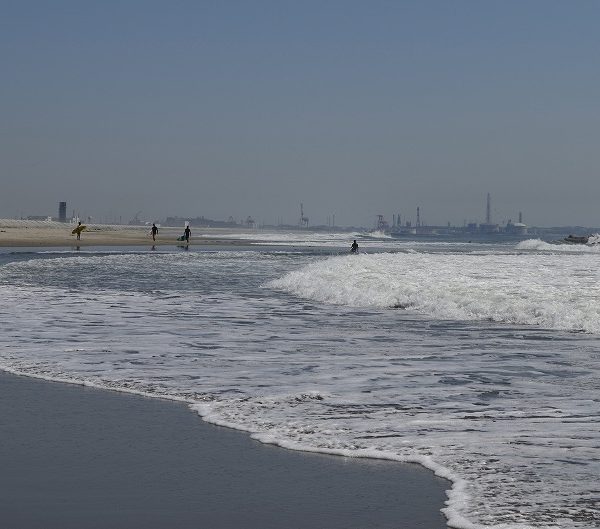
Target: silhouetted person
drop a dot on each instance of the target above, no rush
(79, 230)
(187, 233)
(354, 247)
(154, 231)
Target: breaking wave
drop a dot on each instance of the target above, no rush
(543, 246)
(535, 289)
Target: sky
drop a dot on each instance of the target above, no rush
(353, 108)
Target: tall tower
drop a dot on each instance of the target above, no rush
(520, 217)
(62, 212)
(488, 211)
(418, 217)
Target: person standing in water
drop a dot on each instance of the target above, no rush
(187, 233)
(154, 231)
(354, 247)
(79, 230)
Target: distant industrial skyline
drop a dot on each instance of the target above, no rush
(302, 221)
(250, 108)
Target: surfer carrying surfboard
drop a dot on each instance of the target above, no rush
(78, 230)
(187, 233)
(354, 247)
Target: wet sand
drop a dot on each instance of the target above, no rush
(77, 457)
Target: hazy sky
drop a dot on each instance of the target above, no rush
(240, 108)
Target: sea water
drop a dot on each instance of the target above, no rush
(479, 361)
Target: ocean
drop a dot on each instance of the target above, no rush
(480, 361)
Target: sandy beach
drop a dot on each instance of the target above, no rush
(23, 233)
(77, 457)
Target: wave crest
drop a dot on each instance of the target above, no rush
(543, 246)
(552, 291)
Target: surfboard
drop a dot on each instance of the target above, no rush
(79, 229)
(181, 238)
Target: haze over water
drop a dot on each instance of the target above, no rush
(479, 361)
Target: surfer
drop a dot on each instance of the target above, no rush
(354, 247)
(154, 231)
(79, 230)
(187, 233)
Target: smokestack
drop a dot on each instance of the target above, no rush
(520, 217)
(418, 217)
(488, 212)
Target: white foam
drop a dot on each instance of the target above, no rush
(542, 246)
(509, 414)
(533, 290)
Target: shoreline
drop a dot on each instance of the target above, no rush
(31, 235)
(426, 492)
(66, 462)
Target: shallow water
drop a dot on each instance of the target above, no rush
(480, 361)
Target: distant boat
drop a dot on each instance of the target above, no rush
(591, 239)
